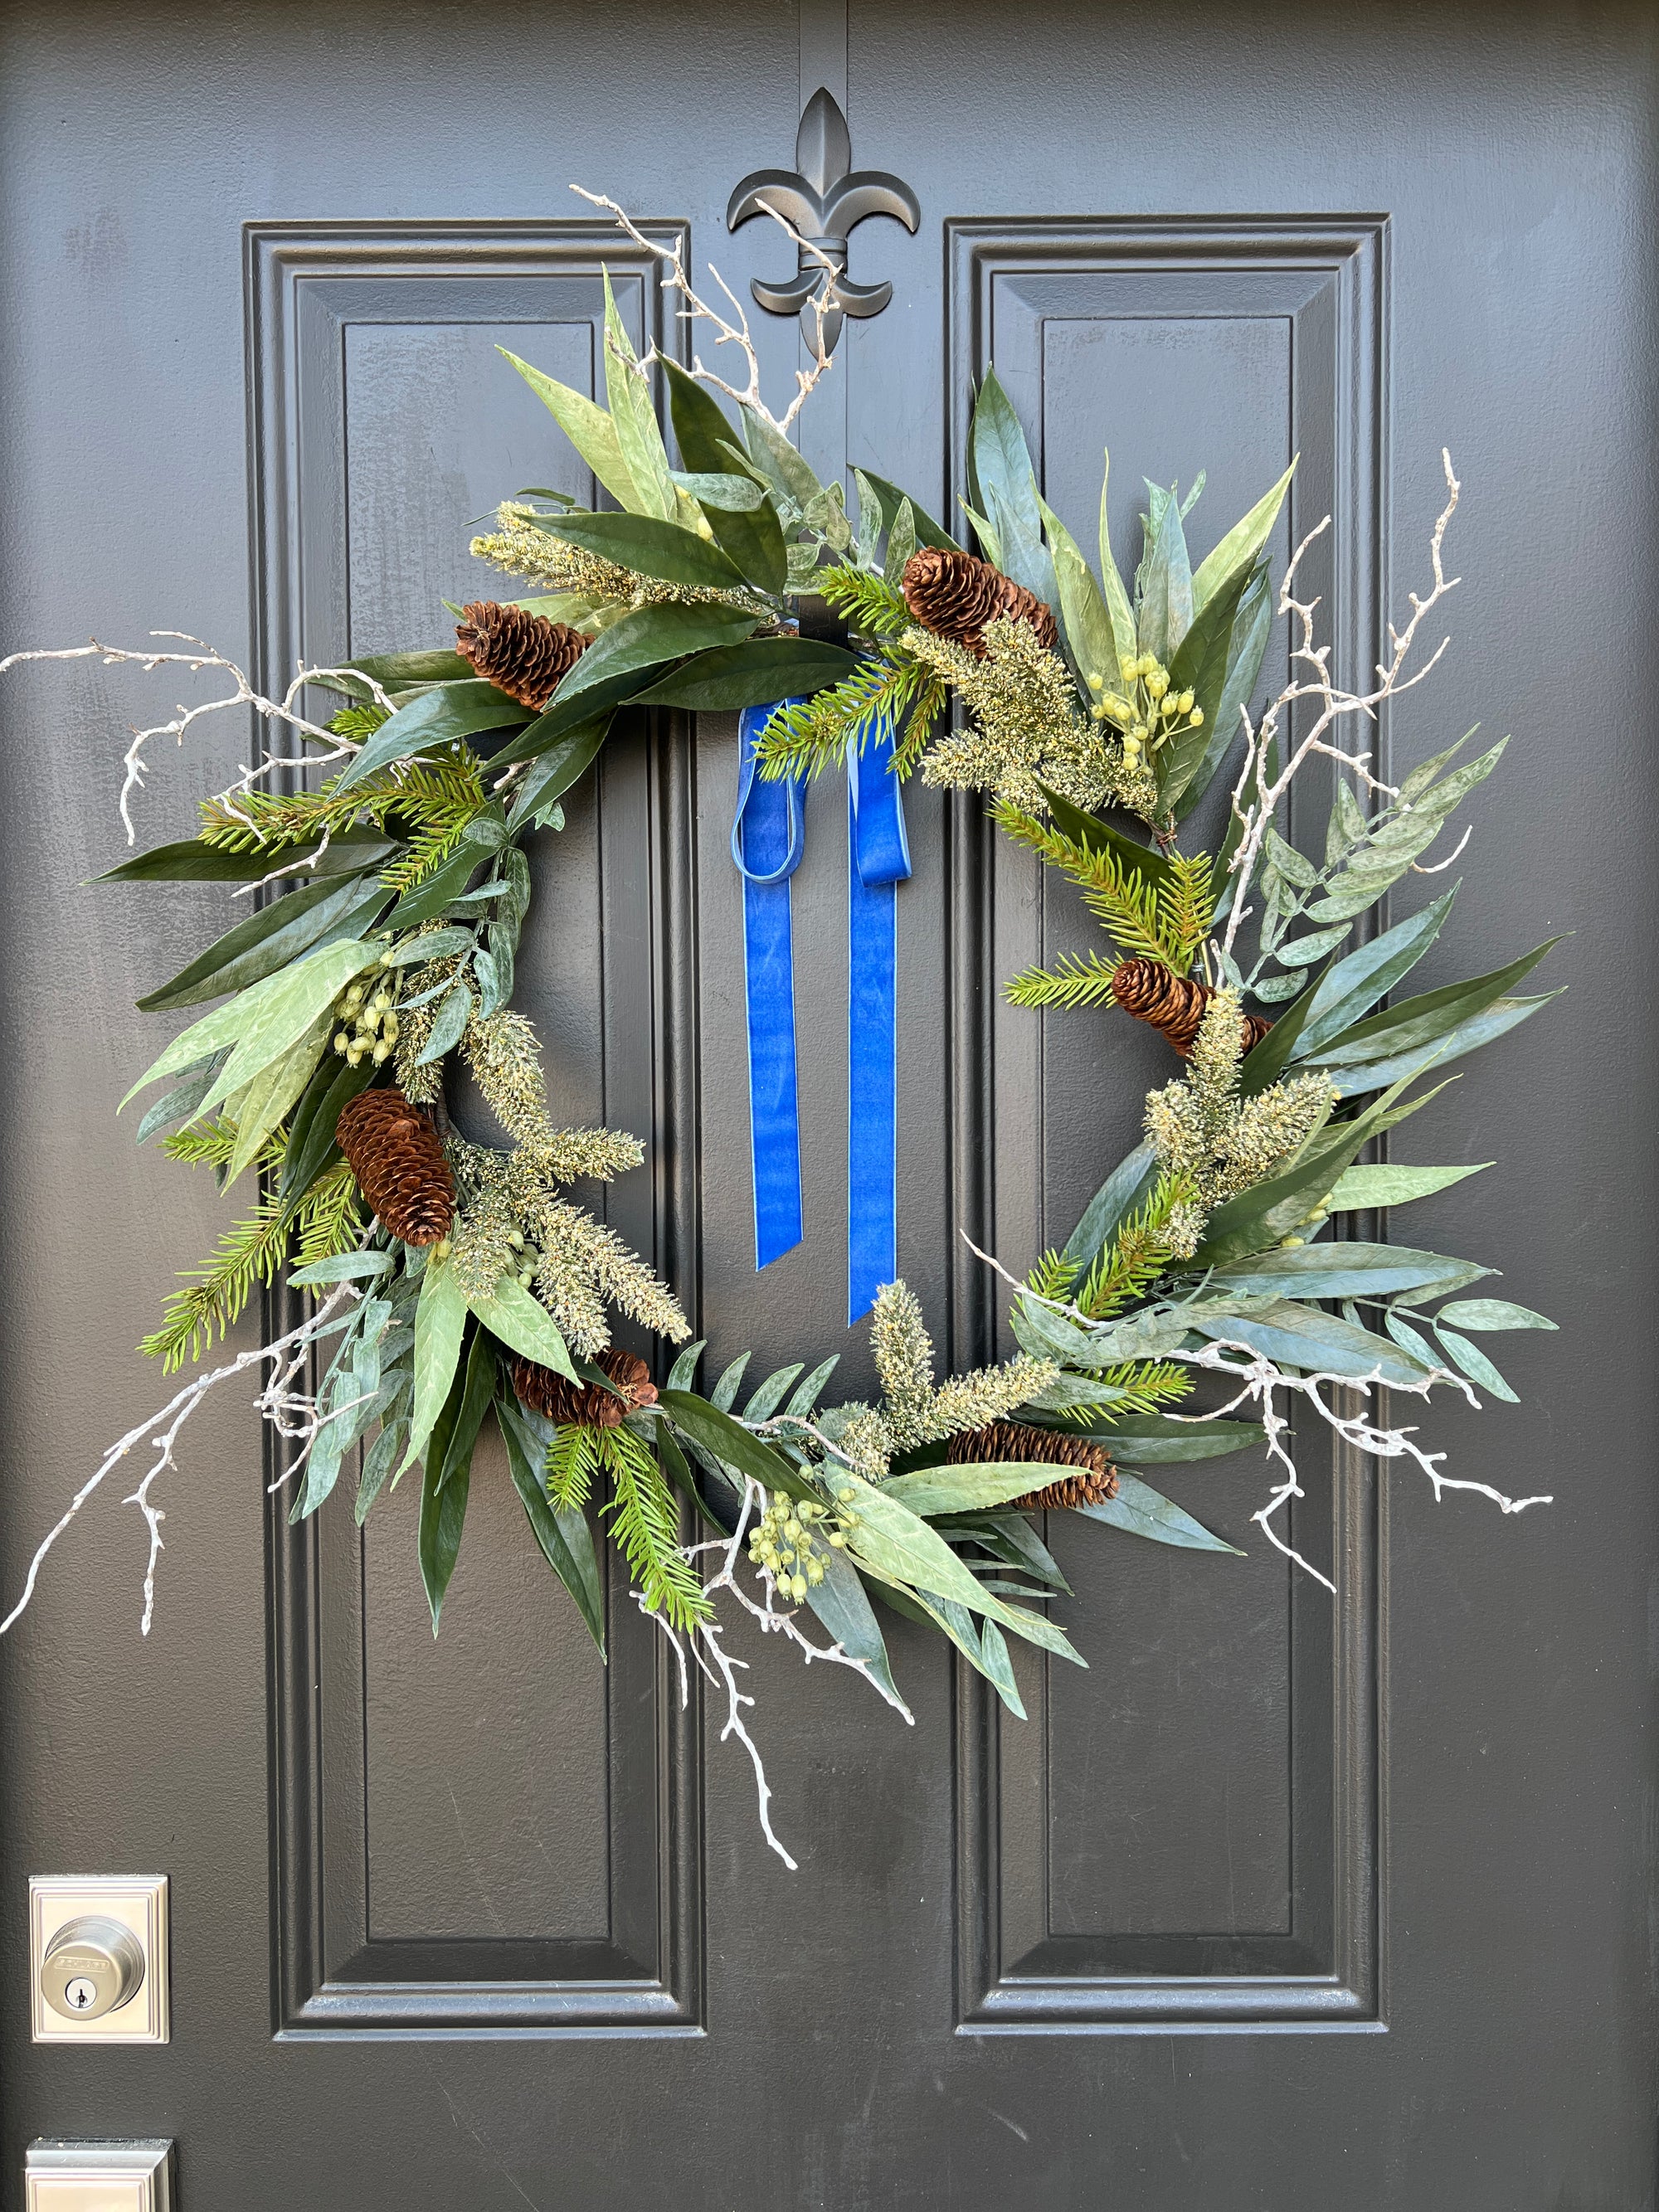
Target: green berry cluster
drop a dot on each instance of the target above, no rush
(367, 1015)
(1151, 713)
(784, 1542)
(525, 1258)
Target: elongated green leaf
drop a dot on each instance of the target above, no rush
(1144, 1511)
(778, 461)
(724, 1394)
(588, 428)
(1002, 471)
(1484, 1028)
(401, 672)
(525, 1324)
(750, 674)
(1117, 600)
(1237, 553)
(310, 1143)
(262, 1021)
(478, 1390)
(1475, 1363)
(1135, 859)
(1365, 1189)
(1338, 1271)
(722, 493)
(184, 1101)
(557, 770)
(646, 638)
(263, 941)
(190, 862)
(342, 1268)
(272, 1095)
(1165, 584)
(935, 1490)
(1355, 983)
(1127, 1188)
(1492, 1313)
(683, 1373)
(440, 1323)
(1089, 628)
(1197, 754)
(565, 1538)
(437, 717)
(927, 532)
(648, 545)
(443, 1515)
(633, 419)
(728, 1440)
(1163, 1439)
(841, 1602)
(1302, 1336)
(750, 538)
(980, 1644)
(377, 1462)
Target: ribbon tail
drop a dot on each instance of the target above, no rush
(767, 839)
(879, 859)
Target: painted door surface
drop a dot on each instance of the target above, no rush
(1285, 1903)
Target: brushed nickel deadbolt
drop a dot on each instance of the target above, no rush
(98, 1948)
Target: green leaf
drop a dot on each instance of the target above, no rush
(261, 943)
(648, 545)
(1365, 1189)
(377, 1462)
(1128, 1187)
(1117, 600)
(557, 770)
(525, 1324)
(446, 882)
(1135, 859)
(1089, 628)
(683, 1373)
(643, 640)
(927, 532)
(1338, 1270)
(806, 1396)
(271, 1096)
(311, 1140)
(565, 1538)
(443, 1515)
(1492, 1313)
(751, 674)
(768, 1395)
(189, 861)
(1302, 1336)
(1003, 479)
(1144, 1511)
(440, 1323)
(263, 1021)
(1355, 984)
(1164, 583)
(726, 494)
(633, 419)
(342, 1268)
(588, 428)
(1302, 951)
(1160, 1439)
(1237, 553)
(437, 717)
(478, 1390)
(729, 1441)
(1218, 661)
(400, 671)
(1484, 1028)
(930, 1491)
(1417, 1024)
(184, 1101)
(778, 461)
(842, 1603)
(449, 1027)
(750, 538)
(1475, 1363)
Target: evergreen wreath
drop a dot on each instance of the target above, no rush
(455, 1281)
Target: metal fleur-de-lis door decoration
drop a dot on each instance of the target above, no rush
(824, 199)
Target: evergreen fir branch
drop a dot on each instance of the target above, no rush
(359, 721)
(210, 1144)
(329, 1218)
(1137, 1386)
(247, 1255)
(814, 733)
(574, 1458)
(1186, 907)
(872, 606)
(1075, 979)
(645, 1522)
(436, 798)
(1137, 919)
(1053, 1276)
(1131, 1260)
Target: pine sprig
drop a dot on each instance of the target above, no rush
(1137, 1386)
(815, 733)
(1167, 921)
(575, 1458)
(435, 798)
(329, 1219)
(1130, 1262)
(872, 606)
(645, 1522)
(1077, 979)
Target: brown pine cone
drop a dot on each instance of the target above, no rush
(1094, 1482)
(954, 595)
(520, 653)
(1173, 1004)
(398, 1161)
(565, 1402)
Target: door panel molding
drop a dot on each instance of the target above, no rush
(318, 297)
(1318, 284)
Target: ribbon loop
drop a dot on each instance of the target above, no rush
(767, 840)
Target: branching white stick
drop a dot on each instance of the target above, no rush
(244, 695)
(727, 332)
(287, 1355)
(1258, 794)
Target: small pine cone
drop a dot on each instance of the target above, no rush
(1173, 1004)
(954, 595)
(398, 1161)
(565, 1402)
(1094, 1482)
(520, 653)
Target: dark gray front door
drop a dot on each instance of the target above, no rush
(1282, 1905)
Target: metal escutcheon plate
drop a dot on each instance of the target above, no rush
(99, 2177)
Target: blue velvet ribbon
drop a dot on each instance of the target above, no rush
(767, 839)
(879, 859)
